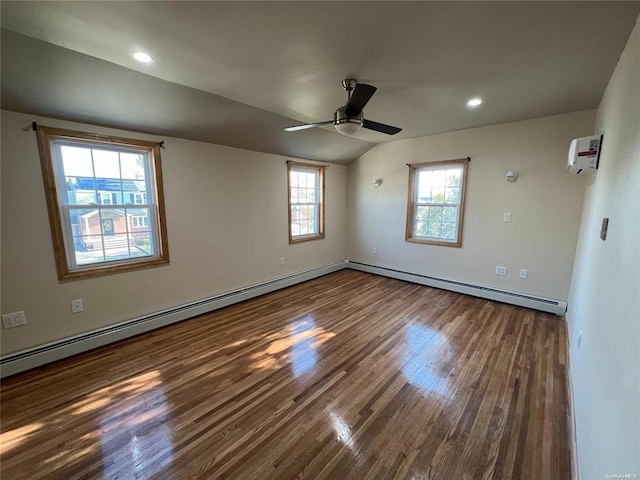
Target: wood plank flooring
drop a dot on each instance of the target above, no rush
(348, 376)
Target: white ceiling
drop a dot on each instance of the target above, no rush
(286, 60)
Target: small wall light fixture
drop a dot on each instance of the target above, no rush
(377, 182)
(511, 176)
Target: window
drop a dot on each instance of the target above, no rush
(306, 202)
(107, 198)
(436, 202)
(137, 198)
(91, 184)
(140, 221)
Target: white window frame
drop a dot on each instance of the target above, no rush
(141, 221)
(50, 140)
(106, 195)
(319, 170)
(413, 203)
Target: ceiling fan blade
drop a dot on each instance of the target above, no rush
(359, 98)
(308, 125)
(381, 127)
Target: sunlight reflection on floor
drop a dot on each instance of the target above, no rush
(140, 420)
(342, 431)
(297, 345)
(303, 352)
(424, 345)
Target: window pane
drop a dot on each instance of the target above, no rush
(134, 192)
(138, 219)
(452, 195)
(133, 165)
(80, 191)
(421, 213)
(433, 230)
(424, 186)
(76, 161)
(302, 179)
(434, 214)
(141, 244)
(448, 231)
(106, 164)
(138, 186)
(85, 221)
(95, 229)
(311, 180)
(310, 195)
(88, 249)
(450, 214)
(452, 177)
(437, 194)
(113, 221)
(304, 220)
(109, 191)
(116, 248)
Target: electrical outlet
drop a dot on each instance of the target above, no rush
(15, 319)
(77, 306)
(524, 273)
(281, 261)
(374, 250)
(502, 271)
(506, 217)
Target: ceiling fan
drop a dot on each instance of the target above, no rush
(349, 118)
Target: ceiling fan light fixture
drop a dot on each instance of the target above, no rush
(348, 127)
(349, 118)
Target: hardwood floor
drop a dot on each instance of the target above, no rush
(348, 376)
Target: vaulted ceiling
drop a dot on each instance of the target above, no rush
(237, 73)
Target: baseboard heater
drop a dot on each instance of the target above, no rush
(35, 357)
(557, 307)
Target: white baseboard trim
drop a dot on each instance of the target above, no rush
(557, 307)
(575, 471)
(35, 357)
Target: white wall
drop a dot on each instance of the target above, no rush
(227, 228)
(604, 302)
(545, 204)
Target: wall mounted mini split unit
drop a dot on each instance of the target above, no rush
(584, 155)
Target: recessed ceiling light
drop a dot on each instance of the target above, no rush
(143, 57)
(474, 102)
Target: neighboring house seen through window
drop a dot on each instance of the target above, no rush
(105, 202)
(435, 209)
(306, 201)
